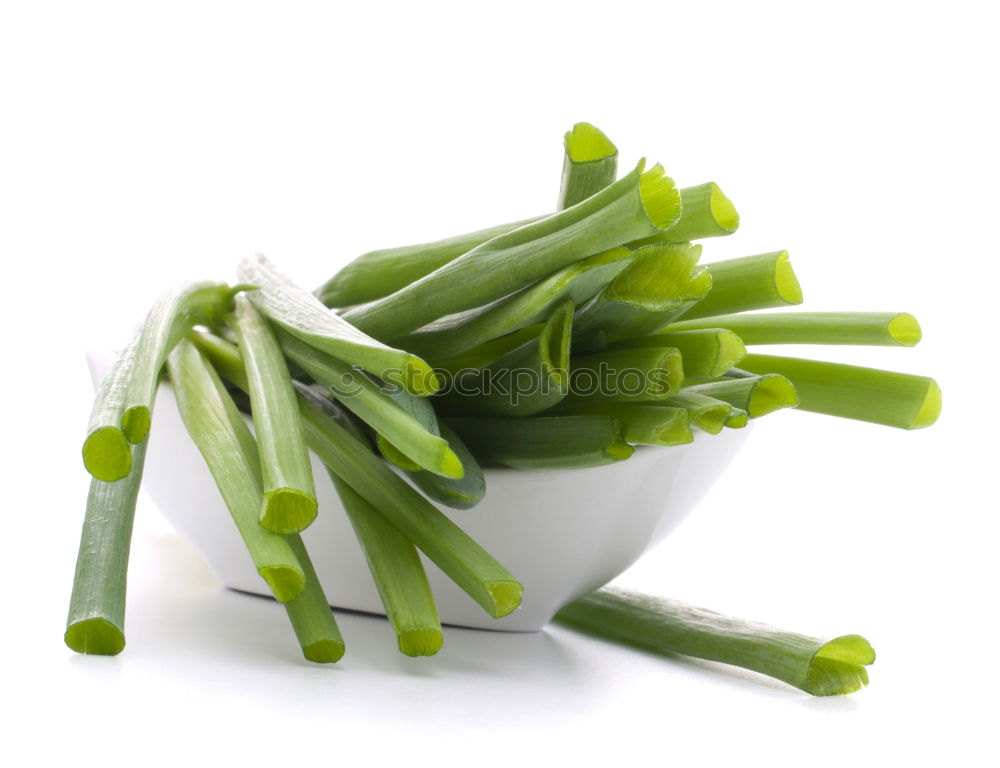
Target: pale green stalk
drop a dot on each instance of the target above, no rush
(819, 667)
(852, 392)
(749, 282)
(706, 353)
(636, 206)
(289, 501)
(577, 282)
(398, 574)
(301, 314)
(590, 162)
(376, 274)
(96, 622)
(224, 440)
(366, 399)
(887, 329)
(544, 442)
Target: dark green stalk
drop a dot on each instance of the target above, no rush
(852, 392)
(889, 329)
(96, 622)
(398, 574)
(636, 206)
(750, 282)
(819, 667)
(544, 442)
(289, 501)
(590, 163)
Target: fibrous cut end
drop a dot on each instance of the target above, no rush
(772, 393)
(661, 200)
(136, 423)
(785, 281)
(285, 582)
(95, 636)
(905, 330)
(930, 409)
(838, 667)
(323, 651)
(107, 454)
(421, 642)
(506, 597)
(587, 144)
(287, 510)
(723, 210)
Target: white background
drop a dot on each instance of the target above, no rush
(144, 144)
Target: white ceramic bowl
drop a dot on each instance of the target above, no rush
(562, 533)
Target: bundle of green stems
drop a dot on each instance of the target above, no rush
(562, 341)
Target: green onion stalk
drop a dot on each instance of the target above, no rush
(850, 391)
(888, 329)
(590, 163)
(818, 667)
(749, 282)
(299, 313)
(411, 429)
(639, 204)
(458, 334)
(289, 498)
(544, 442)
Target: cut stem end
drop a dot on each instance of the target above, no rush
(107, 455)
(421, 642)
(287, 510)
(95, 636)
(285, 582)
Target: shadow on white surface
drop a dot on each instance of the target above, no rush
(182, 618)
